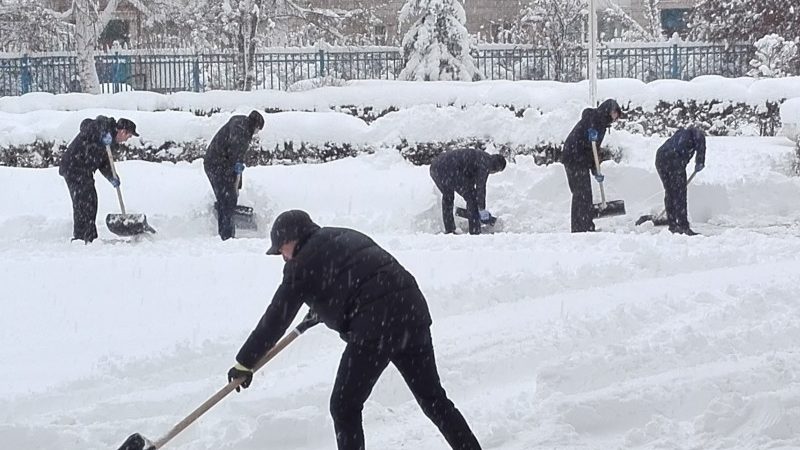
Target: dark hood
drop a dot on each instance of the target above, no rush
(606, 108)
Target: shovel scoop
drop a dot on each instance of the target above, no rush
(128, 224)
(609, 209)
(125, 224)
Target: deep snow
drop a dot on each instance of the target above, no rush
(628, 338)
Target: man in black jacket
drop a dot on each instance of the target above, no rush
(86, 154)
(578, 160)
(224, 164)
(359, 290)
(671, 161)
(465, 171)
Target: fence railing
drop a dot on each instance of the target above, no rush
(172, 71)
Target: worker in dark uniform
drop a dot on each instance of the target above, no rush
(224, 165)
(359, 290)
(465, 171)
(84, 155)
(671, 161)
(578, 160)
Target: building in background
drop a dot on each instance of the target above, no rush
(488, 20)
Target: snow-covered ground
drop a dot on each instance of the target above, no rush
(627, 338)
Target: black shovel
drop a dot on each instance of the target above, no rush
(138, 442)
(604, 208)
(660, 219)
(125, 224)
(243, 216)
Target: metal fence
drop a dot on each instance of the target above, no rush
(172, 71)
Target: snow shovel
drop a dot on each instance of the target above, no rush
(243, 216)
(660, 219)
(462, 212)
(138, 442)
(125, 224)
(604, 208)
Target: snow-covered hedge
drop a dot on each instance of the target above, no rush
(419, 119)
(375, 96)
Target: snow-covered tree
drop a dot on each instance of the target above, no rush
(652, 16)
(437, 45)
(775, 57)
(617, 25)
(558, 26)
(28, 26)
(84, 18)
(745, 20)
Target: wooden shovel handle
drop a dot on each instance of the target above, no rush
(597, 169)
(114, 173)
(231, 386)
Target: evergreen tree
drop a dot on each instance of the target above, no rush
(437, 45)
(745, 20)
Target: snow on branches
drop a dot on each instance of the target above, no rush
(437, 45)
(775, 57)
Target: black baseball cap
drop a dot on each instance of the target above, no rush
(127, 125)
(288, 226)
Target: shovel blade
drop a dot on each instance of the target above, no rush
(137, 442)
(644, 218)
(462, 212)
(243, 217)
(660, 221)
(128, 224)
(612, 208)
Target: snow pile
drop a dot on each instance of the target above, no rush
(790, 119)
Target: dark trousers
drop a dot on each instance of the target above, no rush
(580, 184)
(227, 193)
(412, 354)
(673, 177)
(448, 199)
(84, 208)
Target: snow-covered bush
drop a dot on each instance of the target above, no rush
(716, 118)
(775, 57)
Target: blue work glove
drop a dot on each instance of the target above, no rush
(698, 167)
(484, 215)
(592, 134)
(599, 177)
(239, 371)
(114, 182)
(238, 168)
(106, 138)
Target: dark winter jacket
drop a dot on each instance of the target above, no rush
(679, 149)
(464, 171)
(353, 285)
(578, 148)
(229, 146)
(86, 153)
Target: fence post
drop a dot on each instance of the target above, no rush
(115, 76)
(675, 66)
(196, 73)
(321, 54)
(25, 74)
